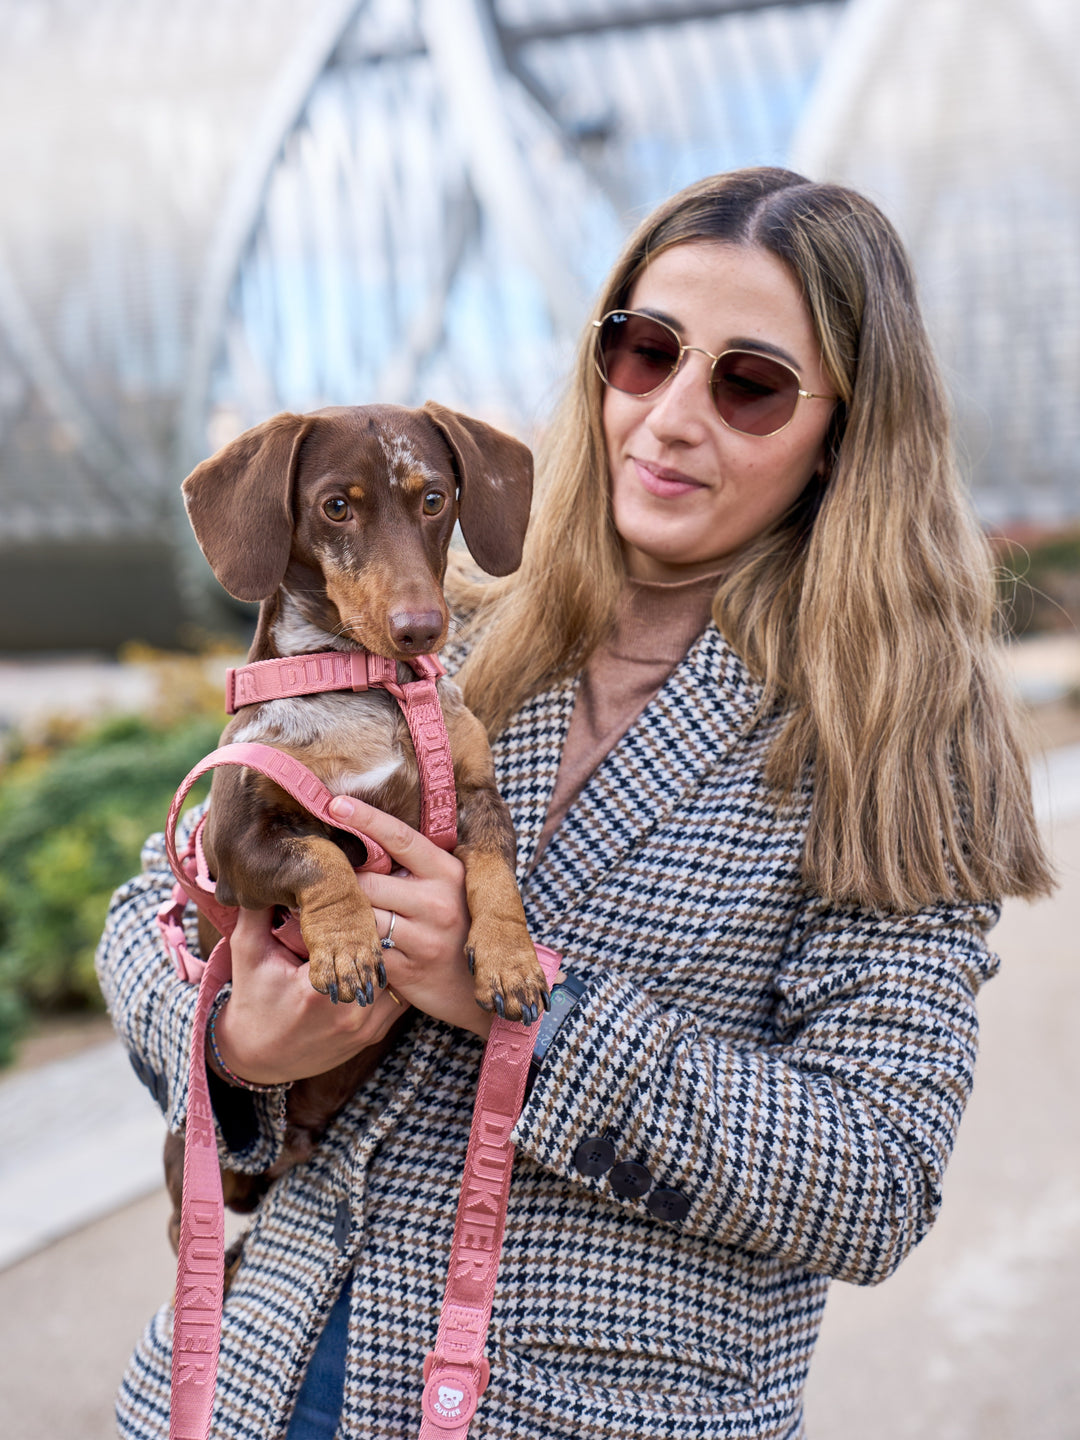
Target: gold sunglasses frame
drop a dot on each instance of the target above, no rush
(800, 393)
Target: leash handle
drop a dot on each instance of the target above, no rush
(200, 1261)
(456, 1372)
(296, 779)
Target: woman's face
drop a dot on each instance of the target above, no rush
(687, 492)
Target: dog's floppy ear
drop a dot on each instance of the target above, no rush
(239, 503)
(494, 473)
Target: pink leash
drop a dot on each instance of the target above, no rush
(456, 1371)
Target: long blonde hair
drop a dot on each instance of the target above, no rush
(867, 612)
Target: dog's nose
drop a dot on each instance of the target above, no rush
(414, 632)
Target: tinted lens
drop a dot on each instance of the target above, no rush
(754, 394)
(636, 354)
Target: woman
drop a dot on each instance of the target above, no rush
(768, 794)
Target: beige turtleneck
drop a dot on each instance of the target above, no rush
(655, 625)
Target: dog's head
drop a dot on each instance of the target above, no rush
(351, 511)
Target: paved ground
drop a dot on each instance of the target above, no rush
(975, 1338)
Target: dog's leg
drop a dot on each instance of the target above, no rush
(501, 955)
(262, 851)
(336, 920)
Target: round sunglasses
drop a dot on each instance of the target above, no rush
(753, 394)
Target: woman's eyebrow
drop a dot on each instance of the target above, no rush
(738, 342)
(741, 343)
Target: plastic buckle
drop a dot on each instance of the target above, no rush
(358, 670)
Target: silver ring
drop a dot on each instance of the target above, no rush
(388, 943)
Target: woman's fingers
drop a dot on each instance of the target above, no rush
(275, 1027)
(413, 851)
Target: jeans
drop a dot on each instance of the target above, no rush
(318, 1406)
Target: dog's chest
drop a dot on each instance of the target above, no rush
(355, 744)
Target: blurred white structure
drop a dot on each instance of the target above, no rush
(214, 210)
(961, 118)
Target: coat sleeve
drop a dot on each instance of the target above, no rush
(823, 1148)
(153, 1010)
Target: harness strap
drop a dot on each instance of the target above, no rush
(359, 670)
(456, 1372)
(293, 675)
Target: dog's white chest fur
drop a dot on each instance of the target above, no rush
(352, 742)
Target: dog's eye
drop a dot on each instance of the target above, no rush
(336, 508)
(434, 502)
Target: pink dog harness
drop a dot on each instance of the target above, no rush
(456, 1372)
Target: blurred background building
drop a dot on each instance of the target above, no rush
(216, 209)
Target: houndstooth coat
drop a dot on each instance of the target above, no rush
(795, 1071)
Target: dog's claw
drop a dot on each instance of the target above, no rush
(545, 999)
(333, 993)
(370, 992)
(381, 972)
(470, 955)
(500, 1008)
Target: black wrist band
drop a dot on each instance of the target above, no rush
(564, 996)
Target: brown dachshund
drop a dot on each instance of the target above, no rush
(338, 522)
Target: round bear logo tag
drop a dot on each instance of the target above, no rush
(449, 1404)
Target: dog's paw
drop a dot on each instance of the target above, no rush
(507, 975)
(345, 956)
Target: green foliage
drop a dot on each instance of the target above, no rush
(73, 820)
(1039, 582)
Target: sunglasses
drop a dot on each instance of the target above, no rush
(753, 394)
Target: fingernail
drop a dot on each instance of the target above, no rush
(341, 806)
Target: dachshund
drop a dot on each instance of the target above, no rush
(338, 522)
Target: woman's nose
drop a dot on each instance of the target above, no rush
(682, 410)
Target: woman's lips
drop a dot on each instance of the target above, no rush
(667, 484)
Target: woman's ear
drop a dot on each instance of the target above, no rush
(239, 503)
(494, 475)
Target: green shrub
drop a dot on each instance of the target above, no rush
(73, 819)
(1039, 582)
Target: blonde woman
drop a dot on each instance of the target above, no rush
(768, 794)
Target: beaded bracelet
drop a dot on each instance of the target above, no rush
(233, 1079)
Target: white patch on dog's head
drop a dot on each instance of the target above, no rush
(401, 459)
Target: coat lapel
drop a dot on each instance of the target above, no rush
(681, 737)
(527, 762)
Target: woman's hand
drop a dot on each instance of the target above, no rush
(427, 965)
(275, 1027)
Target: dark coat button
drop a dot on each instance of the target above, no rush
(342, 1225)
(629, 1179)
(668, 1205)
(595, 1156)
